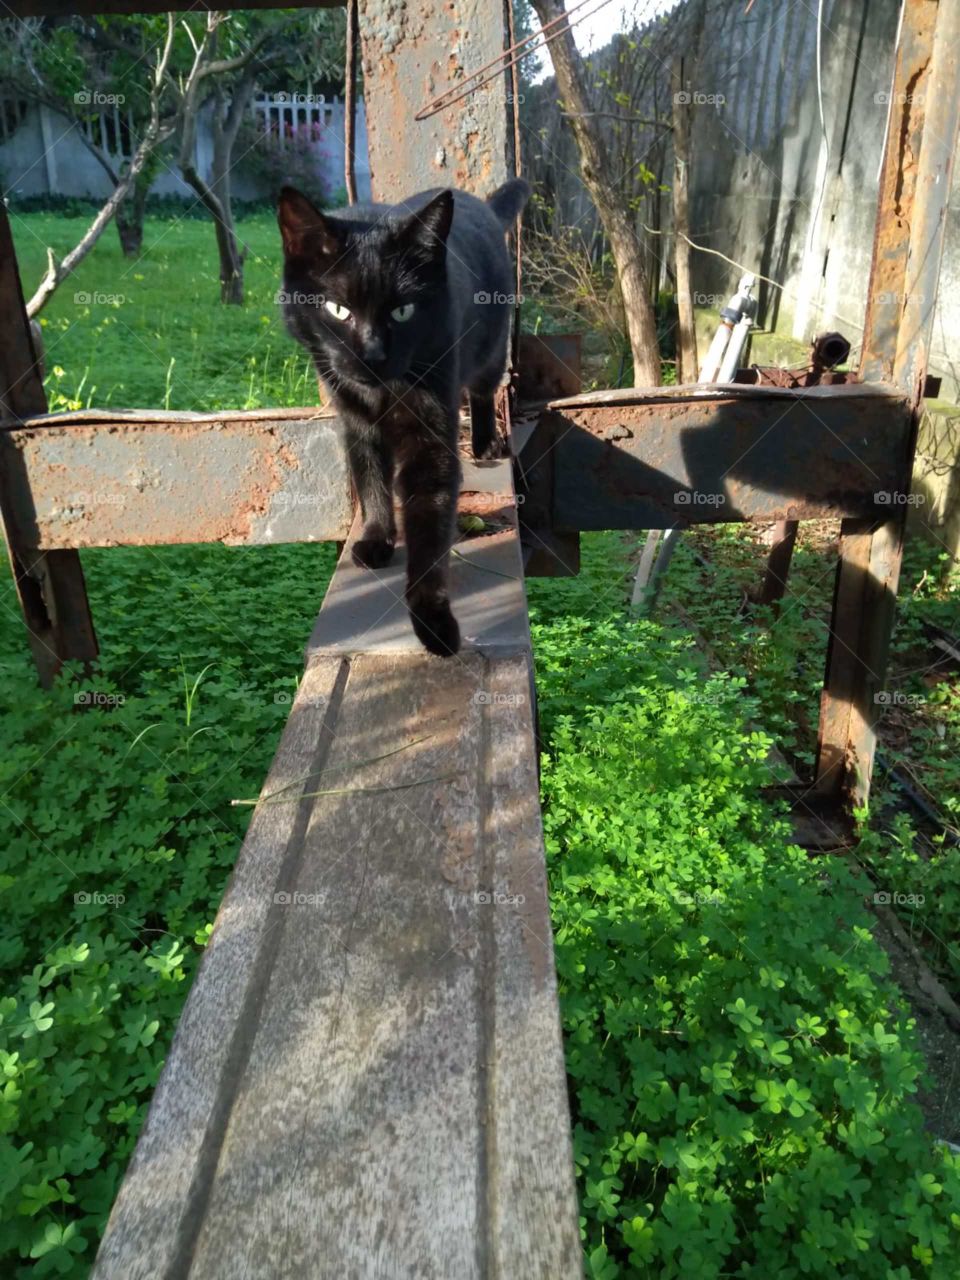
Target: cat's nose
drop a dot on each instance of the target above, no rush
(374, 352)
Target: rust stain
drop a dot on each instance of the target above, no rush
(100, 497)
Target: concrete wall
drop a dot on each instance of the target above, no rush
(45, 156)
(771, 187)
(936, 476)
(774, 188)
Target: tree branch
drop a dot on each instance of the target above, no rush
(56, 271)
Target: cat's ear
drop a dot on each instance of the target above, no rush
(304, 229)
(430, 226)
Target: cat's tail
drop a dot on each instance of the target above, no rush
(508, 201)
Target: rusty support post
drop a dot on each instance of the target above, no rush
(911, 220)
(350, 102)
(49, 584)
(412, 53)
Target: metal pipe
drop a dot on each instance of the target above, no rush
(731, 335)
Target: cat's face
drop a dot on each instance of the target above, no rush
(364, 298)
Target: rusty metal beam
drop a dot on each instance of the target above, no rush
(51, 588)
(83, 8)
(673, 457)
(411, 53)
(135, 478)
(908, 247)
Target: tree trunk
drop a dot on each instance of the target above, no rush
(231, 257)
(611, 206)
(215, 194)
(687, 369)
(130, 214)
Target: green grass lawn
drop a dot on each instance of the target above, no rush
(742, 1068)
(151, 332)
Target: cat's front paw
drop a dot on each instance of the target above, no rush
(372, 553)
(495, 448)
(436, 628)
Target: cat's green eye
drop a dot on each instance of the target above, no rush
(402, 314)
(336, 310)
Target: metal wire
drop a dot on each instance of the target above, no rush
(539, 40)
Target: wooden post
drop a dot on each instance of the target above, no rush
(687, 363)
(911, 220)
(350, 103)
(49, 584)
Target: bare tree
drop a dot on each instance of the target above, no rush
(227, 116)
(618, 224)
(154, 134)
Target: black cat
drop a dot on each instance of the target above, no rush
(401, 307)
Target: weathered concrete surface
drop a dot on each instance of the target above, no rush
(99, 479)
(935, 510)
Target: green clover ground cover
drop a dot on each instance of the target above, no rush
(781, 657)
(742, 1079)
(116, 841)
(116, 831)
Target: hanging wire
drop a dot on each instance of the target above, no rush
(550, 31)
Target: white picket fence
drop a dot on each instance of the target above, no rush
(41, 154)
(285, 116)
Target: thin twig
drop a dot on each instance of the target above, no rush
(702, 248)
(338, 768)
(349, 791)
(482, 567)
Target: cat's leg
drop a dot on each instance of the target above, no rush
(371, 465)
(428, 480)
(483, 419)
(483, 426)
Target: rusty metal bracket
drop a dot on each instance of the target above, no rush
(50, 587)
(911, 221)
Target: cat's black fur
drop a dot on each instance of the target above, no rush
(397, 385)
